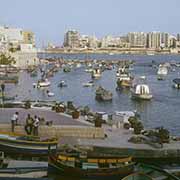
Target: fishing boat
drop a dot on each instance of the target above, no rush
(176, 83)
(62, 84)
(124, 79)
(84, 167)
(103, 94)
(89, 84)
(11, 143)
(96, 73)
(141, 91)
(137, 176)
(49, 93)
(43, 83)
(162, 72)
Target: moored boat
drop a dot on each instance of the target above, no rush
(176, 83)
(141, 91)
(103, 94)
(43, 83)
(26, 145)
(96, 73)
(84, 167)
(137, 176)
(162, 72)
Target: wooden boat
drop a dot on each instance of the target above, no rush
(162, 72)
(43, 83)
(83, 167)
(96, 73)
(137, 176)
(11, 143)
(155, 172)
(141, 91)
(176, 83)
(103, 94)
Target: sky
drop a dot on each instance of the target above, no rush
(50, 19)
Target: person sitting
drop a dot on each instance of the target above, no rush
(29, 124)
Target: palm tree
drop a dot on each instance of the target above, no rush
(6, 60)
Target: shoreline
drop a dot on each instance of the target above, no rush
(112, 52)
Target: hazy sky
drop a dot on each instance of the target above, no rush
(49, 19)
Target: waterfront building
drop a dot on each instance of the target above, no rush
(72, 39)
(109, 41)
(153, 40)
(172, 42)
(164, 40)
(28, 37)
(84, 41)
(178, 37)
(137, 39)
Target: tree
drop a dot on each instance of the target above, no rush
(6, 60)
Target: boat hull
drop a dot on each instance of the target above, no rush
(141, 96)
(27, 148)
(61, 169)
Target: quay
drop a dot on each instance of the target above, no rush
(63, 125)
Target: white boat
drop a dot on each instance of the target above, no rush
(96, 73)
(89, 84)
(50, 94)
(89, 70)
(43, 83)
(141, 91)
(162, 72)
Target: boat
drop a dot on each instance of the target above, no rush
(124, 79)
(50, 94)
(89, 84)
(9, 79)
(141, 91)
(67, 69)
(19, 144)
(155, 172)
(22, 169)
(96, 73)
(85, 167)
(62, 84)
(103, 94)
(176, 83)
(89, 70)
(162, 72)
(43, 83)
(137, 176)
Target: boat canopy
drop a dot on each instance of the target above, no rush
(142, 89)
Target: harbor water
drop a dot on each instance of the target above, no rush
(162, 110)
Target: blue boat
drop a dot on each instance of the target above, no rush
(26, 145)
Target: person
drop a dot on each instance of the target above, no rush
(14, 120)
(35, 126)
(29, 124)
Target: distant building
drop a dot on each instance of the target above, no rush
(137, 39)
(72, 39)
(28, 37)
(178, 37)
(109, 41)
(153, 39)
(164, 40)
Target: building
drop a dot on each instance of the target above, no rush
(109, 41)
(153, 40)
(28, 37)
(72, 39)
(137, 39)
(164, 40)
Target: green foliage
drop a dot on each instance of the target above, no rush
(163, 134)
(6, 60)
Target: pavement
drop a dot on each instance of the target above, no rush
(48, 115)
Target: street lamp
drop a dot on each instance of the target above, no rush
(2, 90)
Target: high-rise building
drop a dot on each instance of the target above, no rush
(153, 40)
(72, 39)
(137, 39)
(164, 40)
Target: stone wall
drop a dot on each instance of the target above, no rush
(60, 131)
